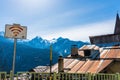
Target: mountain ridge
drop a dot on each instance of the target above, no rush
(34, 52)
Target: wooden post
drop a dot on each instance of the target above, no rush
(89, 76)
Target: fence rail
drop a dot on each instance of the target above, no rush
(59, 76)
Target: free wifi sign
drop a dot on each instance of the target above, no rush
(15, 31)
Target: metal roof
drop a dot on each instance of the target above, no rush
(77, 65)
(41, 68)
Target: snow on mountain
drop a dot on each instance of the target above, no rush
(53, 41)
(38, 42)
(63, 45)
(32, 53)
(60, 45)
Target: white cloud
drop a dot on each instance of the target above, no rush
(32, 6)
(82, 32)
(61, 18)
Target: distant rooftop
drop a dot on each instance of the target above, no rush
(108, 38)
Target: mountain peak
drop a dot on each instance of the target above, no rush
(61, 39)
(37, 38)
(36, 50)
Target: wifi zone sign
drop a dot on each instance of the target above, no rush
(15, 31)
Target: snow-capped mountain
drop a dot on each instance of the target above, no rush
(38, 42)
(32, 53)
(60, 45)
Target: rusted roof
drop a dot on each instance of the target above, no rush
(76, 65)
(41, 68)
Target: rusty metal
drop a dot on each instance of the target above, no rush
(84, 64)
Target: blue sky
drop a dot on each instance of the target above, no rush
(73, 19)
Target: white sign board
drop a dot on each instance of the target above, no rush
(15, 31)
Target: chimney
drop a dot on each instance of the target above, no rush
(74, 50)
(60, 64)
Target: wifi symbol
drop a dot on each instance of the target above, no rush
(16, 30)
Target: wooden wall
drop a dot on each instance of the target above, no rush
(105, 39)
